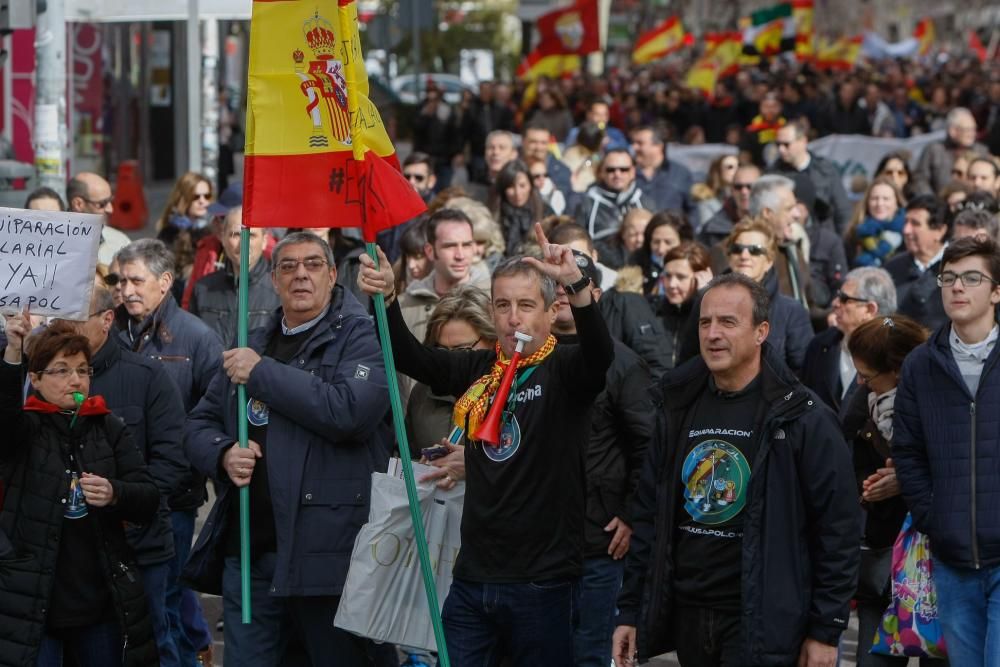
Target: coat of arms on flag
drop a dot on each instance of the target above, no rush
(323, 83)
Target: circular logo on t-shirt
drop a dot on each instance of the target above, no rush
(257, 412)
(510, 439)
(716, 476)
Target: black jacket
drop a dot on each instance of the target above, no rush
(827, 265)
(601, 211)
(833, 204)
(676, 320)
(139, 393)
(801, 526)
(216, 301)
(630, 320)
(32, 519)
(917, 293)
(821, 370)
(190, 353)
(621, 425)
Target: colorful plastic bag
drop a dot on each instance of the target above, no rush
(910, 626)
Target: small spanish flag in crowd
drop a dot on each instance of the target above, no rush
(661, 41)
(720, 59)
(803, 12)
(317, 152)
(839, 54)
(924, 34)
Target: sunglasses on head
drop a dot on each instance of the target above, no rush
(753, 249)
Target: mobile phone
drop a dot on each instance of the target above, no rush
(433, 453)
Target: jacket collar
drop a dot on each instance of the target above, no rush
(106, 357)
(610, 197)
(343, 305)
(260, 270)
(91, 406)
(155, 323)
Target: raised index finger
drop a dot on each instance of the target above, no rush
(543, 242)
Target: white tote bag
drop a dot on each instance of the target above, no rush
(384, 597)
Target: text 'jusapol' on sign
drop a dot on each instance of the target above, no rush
(47, 262)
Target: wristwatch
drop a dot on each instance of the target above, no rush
(578, 286)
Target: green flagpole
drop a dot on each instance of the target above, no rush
(241, 405)
(411, 486)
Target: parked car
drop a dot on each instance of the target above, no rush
(406, 87)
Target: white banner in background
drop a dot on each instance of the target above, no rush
(47, 262)
(856, 155)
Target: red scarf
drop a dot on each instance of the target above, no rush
(92, 406)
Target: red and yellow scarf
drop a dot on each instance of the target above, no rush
(475, 401)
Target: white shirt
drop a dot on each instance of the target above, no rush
(971, 358)
(934, 260)
(305, 326)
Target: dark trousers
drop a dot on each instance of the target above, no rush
(530, 623)
(599, 588)
(191, 633)
(284, 631)
(154, 581)
(98, 645)
(707, 637)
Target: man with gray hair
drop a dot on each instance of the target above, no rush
(772, 199)
(867, 293)
(980, 223)
(933, 170)
(318, 396)
(152, 324)
(500, 149)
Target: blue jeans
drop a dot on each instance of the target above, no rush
(530, 623)
(285, 631)
(92, 646)
(599, 587)
(191, 634)
(969, 609)
(154, 580)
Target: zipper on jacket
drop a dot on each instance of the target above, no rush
(127, 572)
(972, 486)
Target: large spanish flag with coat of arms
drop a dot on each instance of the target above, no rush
(317, 152)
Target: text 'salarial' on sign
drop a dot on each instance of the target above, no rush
(47, 261)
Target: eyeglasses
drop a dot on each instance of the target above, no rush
(782, 144)
(100, 203)
(98, 312)
(968, 278)
(866, 379)
(112, 279)
(620, 170)
(201, 195)
(753, 249)
(312, 264)
(63, 372)
(460, 346)
(543, 174)
(844, 298)
(417, 178)
(742, 186)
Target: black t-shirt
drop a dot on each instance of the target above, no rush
(263, 536)
(715, 478)
(80, 593)
(524, 500)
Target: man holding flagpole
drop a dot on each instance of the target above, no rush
(516, 585)
(317, 397)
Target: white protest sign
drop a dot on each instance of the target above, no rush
(47, 261)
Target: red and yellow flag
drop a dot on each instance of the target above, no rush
(564, 35)
(721, 59)
(924, 33)
(317, 152)
(803, 12)
(839, 54)
(661, 41)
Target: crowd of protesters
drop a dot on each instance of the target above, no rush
(775, 372)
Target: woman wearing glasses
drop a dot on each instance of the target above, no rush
(460, 321)
(878, 348)
(183, 222)
(70, 591)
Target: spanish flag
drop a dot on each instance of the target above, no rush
(803, 12)
(661, 41)
(720, 59)
(924, 34)
(840, 54)
(317, 152)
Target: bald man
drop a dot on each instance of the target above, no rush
(89, 193)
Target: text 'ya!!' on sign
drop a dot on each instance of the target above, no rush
(47, 262)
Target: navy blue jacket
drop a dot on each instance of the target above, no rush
(802, 523)
(669, 189)
(139, 392)
(821, 370)
(917, 292)
(325, 437)
(946, 448)
(190, 352)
